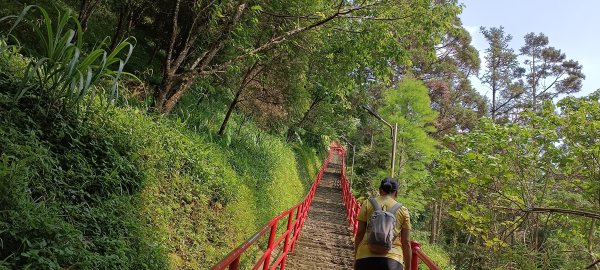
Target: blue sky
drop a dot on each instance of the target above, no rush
(571, 26)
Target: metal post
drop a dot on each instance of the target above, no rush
(394, 130)
(235, 265)
(286, 246)
(270, 246)
(352, 169)
(394, 138)
(415, 246)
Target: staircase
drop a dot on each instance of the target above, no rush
(326, 240)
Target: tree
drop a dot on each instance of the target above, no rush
(502, 71)
(130, 13)
(189, 57)
(205, 40)
(581, 130)
(86, 9)
(526, 186)
(447, 77)
(409, 106)
(549, 73)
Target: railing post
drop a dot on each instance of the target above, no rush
(270, 246)
(235, 265)
(414, 245)
(296, 227)
(286, 246)
(300, 223)
(357, 209)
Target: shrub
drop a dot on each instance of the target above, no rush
(119, 189)
(65, 74)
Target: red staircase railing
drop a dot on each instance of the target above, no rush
(353, 206)
(288, 238)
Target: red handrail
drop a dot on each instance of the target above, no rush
(353, 206)
(289, 237)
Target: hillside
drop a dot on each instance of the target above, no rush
(141, 134)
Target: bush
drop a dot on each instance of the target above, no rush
(118, 189)
(64, 74)
(434, 251)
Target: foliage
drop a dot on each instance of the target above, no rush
(521, 186)
(69, 196)
(64, 74)
(548, 72)
(502, 73)
(409, 107)
(120, 189)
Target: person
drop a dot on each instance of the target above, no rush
(400, 254)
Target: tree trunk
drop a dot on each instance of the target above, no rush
(153, 55)
(117, 35)
(232, 105)
(300, 124)
(494, 108)
(248, 77)
(162, 91)
(534, 85)
(178, 93)
(176, 60)
(86, 9)
(434, 224)
(591, 242)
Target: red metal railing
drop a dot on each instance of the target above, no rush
(288, 238)
(353, 206)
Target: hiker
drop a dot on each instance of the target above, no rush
(382, 241)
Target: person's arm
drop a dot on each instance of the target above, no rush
(360, 234)
(406, 250)
(362, 226)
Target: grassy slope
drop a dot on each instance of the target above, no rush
(121, 190)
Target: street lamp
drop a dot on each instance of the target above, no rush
(353, 153)
(394, 130)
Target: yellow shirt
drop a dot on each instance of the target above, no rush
(402, 221)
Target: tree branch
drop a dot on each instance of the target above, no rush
(593, 264)
(278, 39)
(173, 37)
(207, 57)
(555, 210)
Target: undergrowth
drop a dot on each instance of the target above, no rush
(115, 188)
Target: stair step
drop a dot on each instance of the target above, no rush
(326, 239)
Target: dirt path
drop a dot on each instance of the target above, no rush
(326, 241)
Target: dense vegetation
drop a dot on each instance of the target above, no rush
(175, 138)
(115, 188)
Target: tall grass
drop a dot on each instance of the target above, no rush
(123, 190)
(65, 73)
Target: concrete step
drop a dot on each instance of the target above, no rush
(326, 239)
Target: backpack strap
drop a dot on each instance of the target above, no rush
(395, 208)
(375, 204)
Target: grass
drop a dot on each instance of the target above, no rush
(116, 188)
(65, 73)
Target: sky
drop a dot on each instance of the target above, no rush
(571, 26)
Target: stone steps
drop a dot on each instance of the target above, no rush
(326, 240)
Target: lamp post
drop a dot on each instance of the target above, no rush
(394, 130)
(353, 153)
